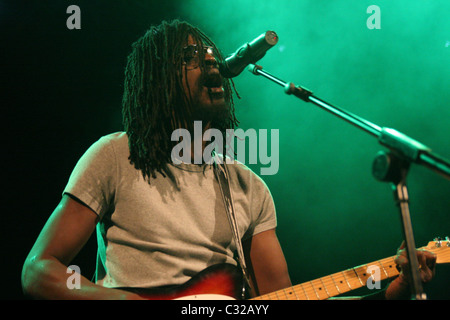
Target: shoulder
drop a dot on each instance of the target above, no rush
(116, 142)
(105, 149)
(116, 139)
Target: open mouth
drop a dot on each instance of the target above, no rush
(213, 80)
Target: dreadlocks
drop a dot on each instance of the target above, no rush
(154, 103)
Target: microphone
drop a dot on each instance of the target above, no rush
(249, 53)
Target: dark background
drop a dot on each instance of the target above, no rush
(61, 91)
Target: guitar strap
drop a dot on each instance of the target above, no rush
(222, 175)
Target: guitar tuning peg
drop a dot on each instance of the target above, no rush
(438, 241)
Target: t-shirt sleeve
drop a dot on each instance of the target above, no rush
(93, 179)
(264, 209)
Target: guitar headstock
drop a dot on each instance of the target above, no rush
(441, 248)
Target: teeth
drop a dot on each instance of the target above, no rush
(217, 92)
(213, 86)
(216, 89)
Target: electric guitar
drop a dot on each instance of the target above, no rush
(224, 281)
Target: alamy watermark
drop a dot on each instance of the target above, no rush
(258, 147)
(374, 20)
(74, 20)
(74, 280)
(373, 282)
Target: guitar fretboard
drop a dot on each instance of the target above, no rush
(337, 283)
(350, 279)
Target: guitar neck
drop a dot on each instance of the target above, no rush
(353, 278)
(337, 283)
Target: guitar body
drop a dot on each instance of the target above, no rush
(218, 282)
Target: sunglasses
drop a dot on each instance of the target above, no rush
(191, 55)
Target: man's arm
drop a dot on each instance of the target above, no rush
(44, 273)
(266, 263)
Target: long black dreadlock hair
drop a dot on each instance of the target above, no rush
(154, 102)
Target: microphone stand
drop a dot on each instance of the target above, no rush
(389, 167)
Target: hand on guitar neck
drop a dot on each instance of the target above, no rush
(400, 287)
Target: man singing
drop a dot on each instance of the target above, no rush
(159, 224)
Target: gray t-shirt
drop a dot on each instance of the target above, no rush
(166, 231)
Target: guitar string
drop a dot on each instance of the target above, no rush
(382, 262)
(327, 280)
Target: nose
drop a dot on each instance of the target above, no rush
(211, 61)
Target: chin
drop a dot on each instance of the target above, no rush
(216, 111)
